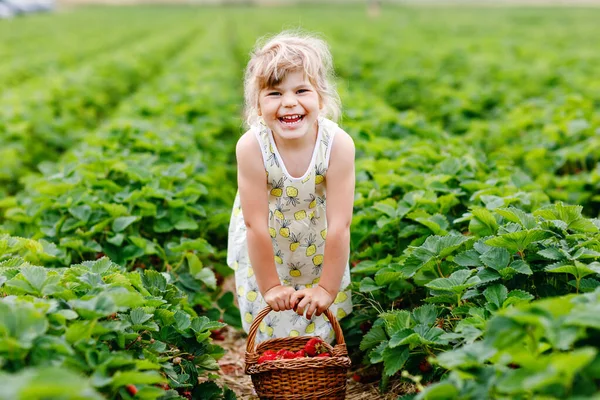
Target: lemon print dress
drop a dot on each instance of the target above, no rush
(298, 229)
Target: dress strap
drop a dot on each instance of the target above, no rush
(328, 128)
(263, 141)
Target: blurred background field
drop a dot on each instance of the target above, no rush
(477, 131)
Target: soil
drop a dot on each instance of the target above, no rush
(232, 374)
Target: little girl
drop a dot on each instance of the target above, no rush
(289, 236)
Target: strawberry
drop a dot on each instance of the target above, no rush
(424, 366)
(280, 354)
(288, 355)
(131, 389)
(267, 357)
(300, 354)
(356, 377)
(323, 355)
(314, 346)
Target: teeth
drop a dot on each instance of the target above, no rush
(290, 117)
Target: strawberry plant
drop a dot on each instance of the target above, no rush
(122, 330)
(545, 348)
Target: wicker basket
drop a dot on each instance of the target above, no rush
(308, 378)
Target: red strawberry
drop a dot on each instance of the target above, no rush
(280, 353)
(424, 366)
(288, 355)
(266, 357)
(323, 355)
(314, 346)
(300, 354)
(131, 389)
(356, 377)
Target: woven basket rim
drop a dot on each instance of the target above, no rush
(339, 354)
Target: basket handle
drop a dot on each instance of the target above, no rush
(339, 336)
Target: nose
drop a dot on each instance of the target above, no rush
(288, 100)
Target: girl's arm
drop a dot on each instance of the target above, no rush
(340, 200)
(252, 185)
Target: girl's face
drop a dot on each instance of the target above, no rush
(290, 109)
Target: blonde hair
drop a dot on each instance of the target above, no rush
(273, 58)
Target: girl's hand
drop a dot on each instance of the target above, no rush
(317, 299)
(278, 297)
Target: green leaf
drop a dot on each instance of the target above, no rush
(80, 331)
(121, 223)
(374, 337)
(586, 285)
(426, 315)
(21, 322)
(465, 357)
(552, 253)
(585, 317)
(483, 222)
(154, 280)
(457, 282)
(496, 258)
(139, 316)
(194, 263)
(122, 378)
(366, 267)
(443, 246)
(394, 359)
(207, 276)
(521, 267)
(376, 355)
(570, 215)
(512, 214)
(117, 240)
(496, 295)
(82, 212)
(387, 206)
(440, 391)
(388, 275)
(578, 269)
(182, 320)
(396, 320)
(46, 383)
(368, 285)
(517, 241)
(402, 337)
(200, 245)
(517, 296)
(469, 258)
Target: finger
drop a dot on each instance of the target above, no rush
(281, 304)
(297, 295)
(296, 298)
(311, 310)
(303, 305)
(319, 310)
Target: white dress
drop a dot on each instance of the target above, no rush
(298, 228)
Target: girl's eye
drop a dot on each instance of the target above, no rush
(303, 90)
(273, 94)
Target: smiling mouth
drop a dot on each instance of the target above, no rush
(291, 119)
